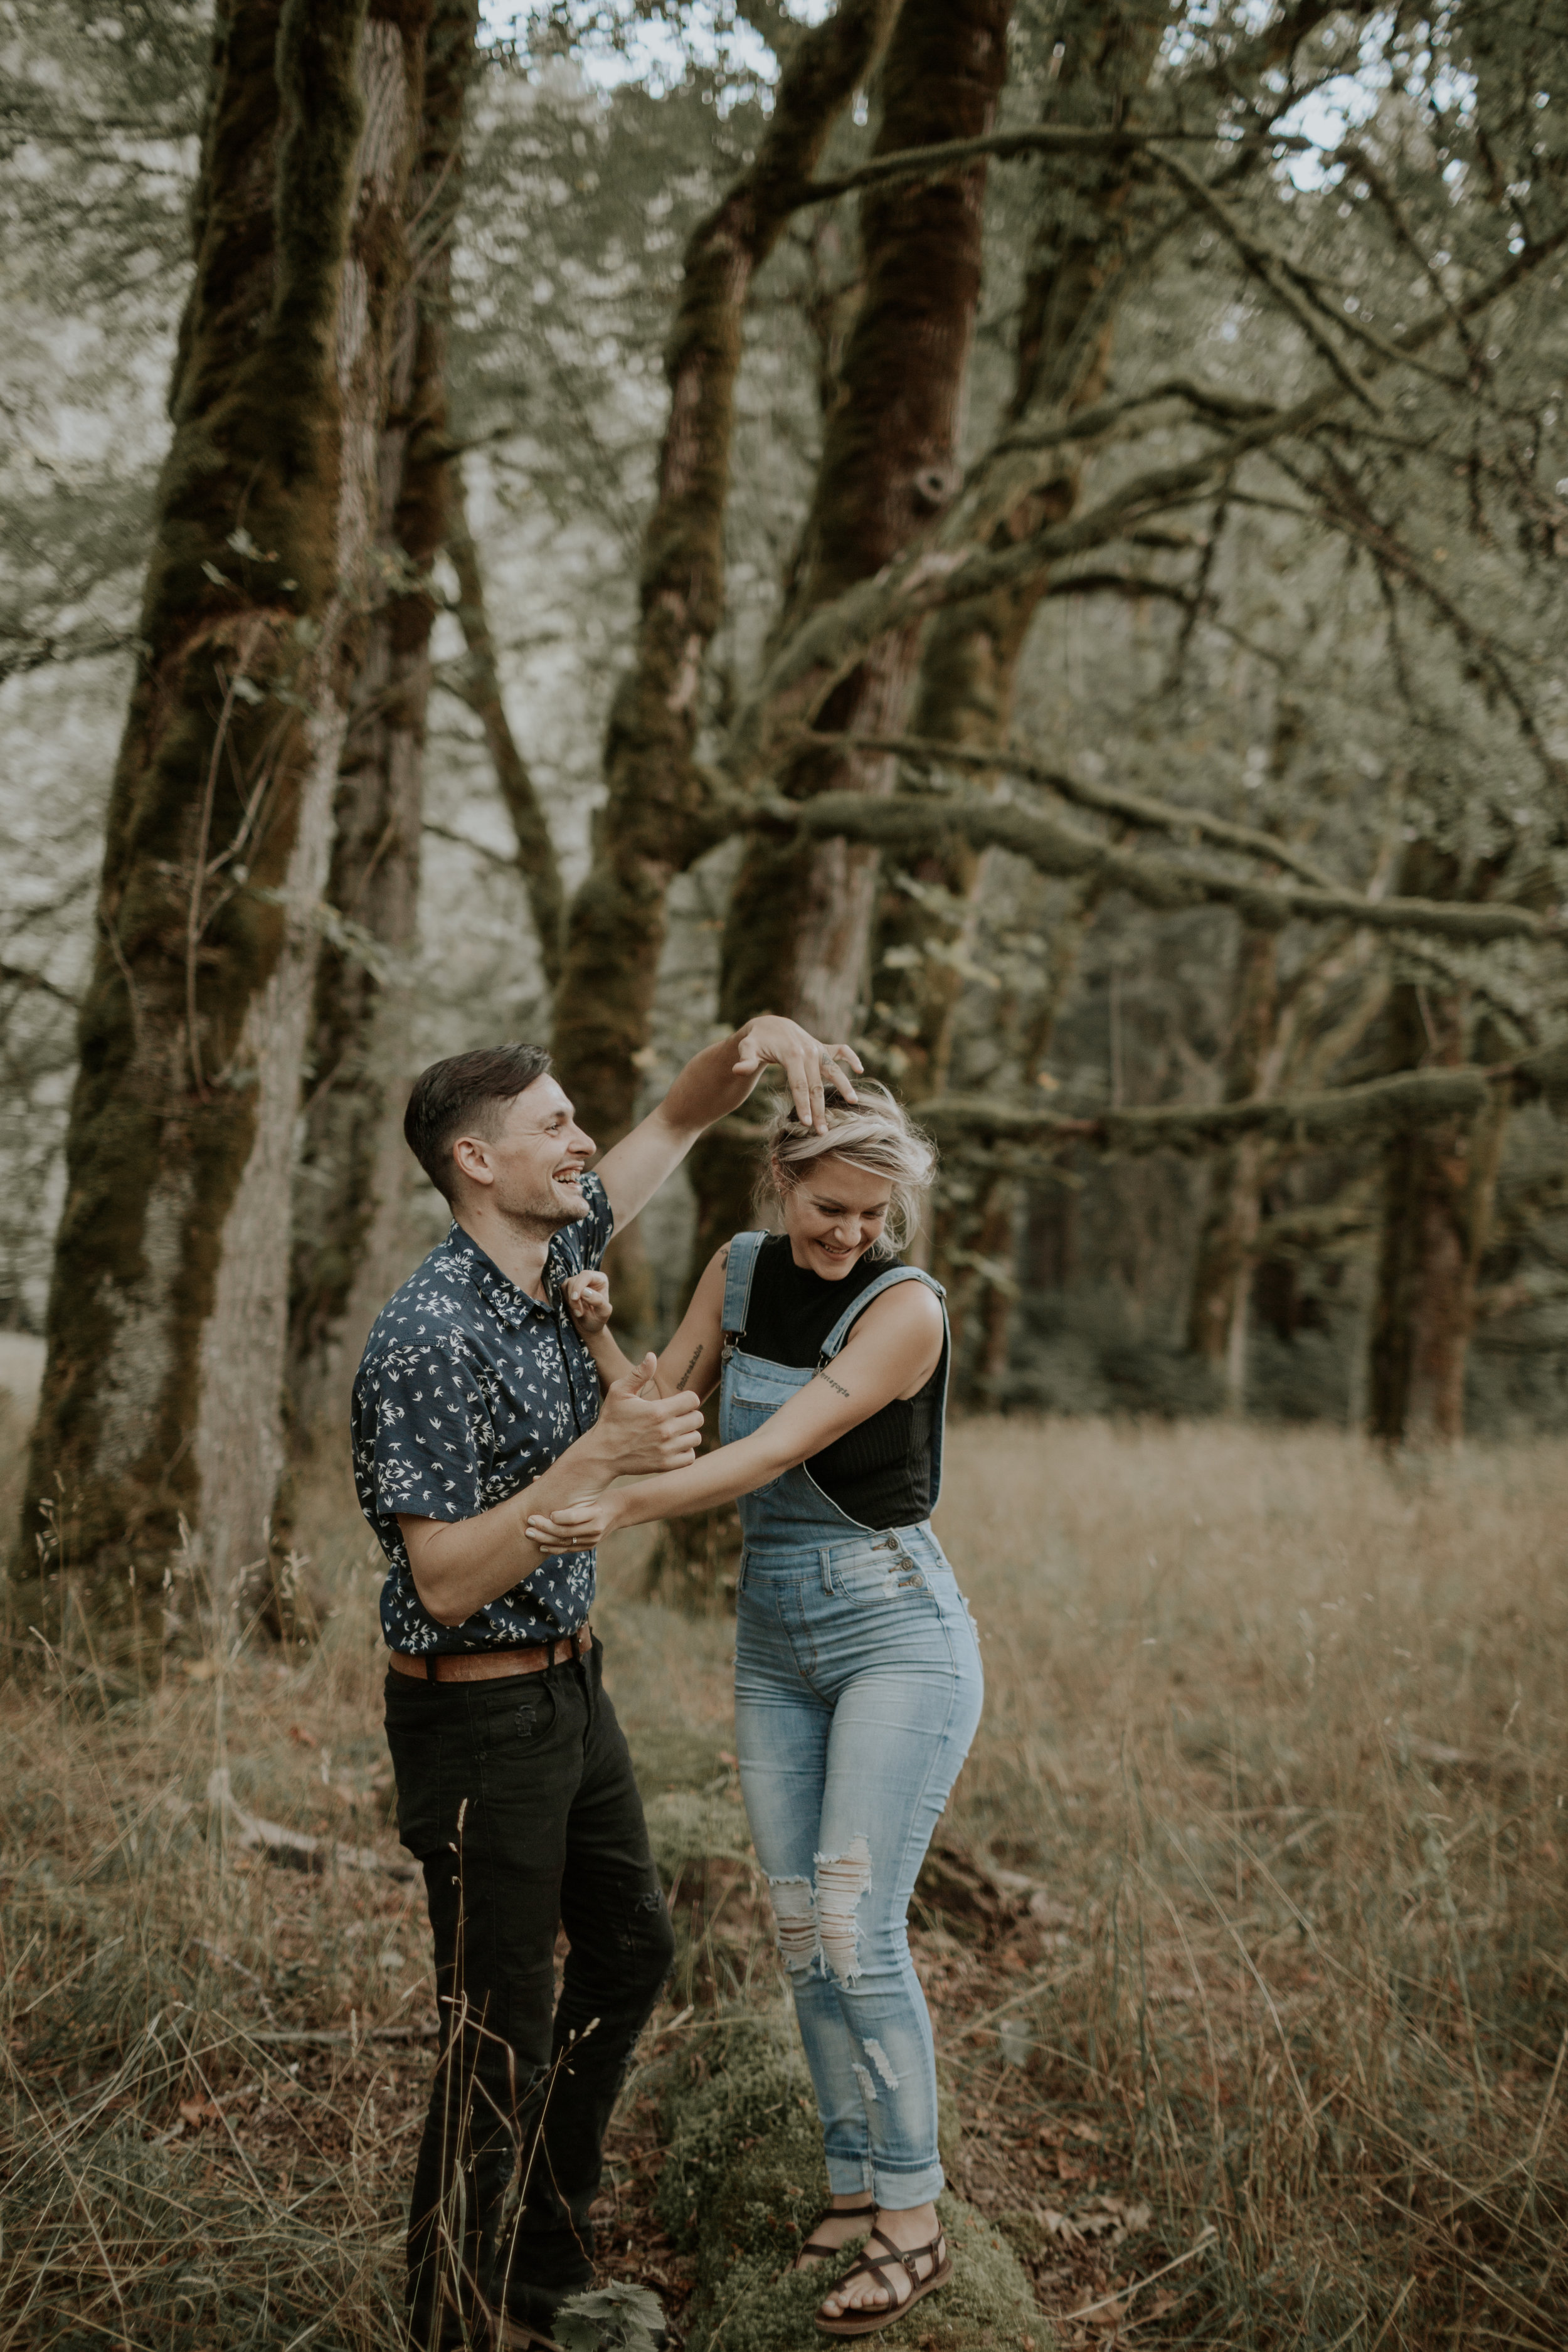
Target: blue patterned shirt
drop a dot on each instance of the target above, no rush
(467, 1390)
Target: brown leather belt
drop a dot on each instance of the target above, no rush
(490, 1665)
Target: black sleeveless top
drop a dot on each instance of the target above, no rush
(880, 1473)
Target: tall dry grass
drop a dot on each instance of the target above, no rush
(1283, 1730)
(1277, 1730)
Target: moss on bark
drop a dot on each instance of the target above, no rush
(348, 1182)
(215, 832)
(1439, 1182)
(657, 819)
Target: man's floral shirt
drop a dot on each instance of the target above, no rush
(468, 1389)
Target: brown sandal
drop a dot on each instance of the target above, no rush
(877, 2266)
(832, 2213)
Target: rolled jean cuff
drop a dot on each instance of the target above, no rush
(897, 2192)
(848, 2175)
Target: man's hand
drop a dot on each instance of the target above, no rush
(807, 1065)
(713, 1084)
(637, 1435)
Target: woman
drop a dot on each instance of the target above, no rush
(858, 1681)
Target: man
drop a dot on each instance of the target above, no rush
(476, 1402)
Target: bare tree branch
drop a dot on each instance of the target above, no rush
(1339, 1115)
(915, 821)
(951, 564)
(1136, 808)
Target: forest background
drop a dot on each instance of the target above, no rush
(580, 525)
(1175, 483)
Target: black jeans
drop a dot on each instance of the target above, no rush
(518, 1797)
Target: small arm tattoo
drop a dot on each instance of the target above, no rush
(823, 1375)
(691, 1367)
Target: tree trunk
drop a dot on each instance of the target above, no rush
(799, 918)
(1439, 1183)
(655, 820)
(481, 690)
(969, 672)
(166, 1323)
(348, 1186)
(1216, 1315)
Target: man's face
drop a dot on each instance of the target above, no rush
(531, 1170)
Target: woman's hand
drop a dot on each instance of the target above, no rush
(574, 1526)
(587, 1297)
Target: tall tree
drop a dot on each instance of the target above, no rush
(800, 913)
(167, 1321)
(350, 1178)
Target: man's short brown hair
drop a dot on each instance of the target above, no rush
(465, 1094)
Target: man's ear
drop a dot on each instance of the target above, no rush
(472, 1157)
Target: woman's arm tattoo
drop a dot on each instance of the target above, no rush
(824, 1374)
(691, 1367)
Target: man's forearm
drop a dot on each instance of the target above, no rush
(709, 1088)
(459, 1565)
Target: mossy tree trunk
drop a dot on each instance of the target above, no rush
(167, 1312)
(656, 818)
(479, 686)
(1438, 1188)
(1222, 1277)
(970, 667)
(799, 918)
(349, 1182)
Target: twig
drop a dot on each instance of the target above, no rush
(1204, 2235)
(306, 1852)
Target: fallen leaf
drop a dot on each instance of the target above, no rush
(301, 1738)
(199, 2111)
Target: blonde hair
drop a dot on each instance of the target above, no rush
(876, 1134)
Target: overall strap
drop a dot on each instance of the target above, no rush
(845, 1323)
(895, 1274)
(738, 1272)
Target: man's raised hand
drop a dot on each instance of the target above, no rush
(640, 1436)
(807, 1065)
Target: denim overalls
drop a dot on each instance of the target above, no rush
(857, 1689)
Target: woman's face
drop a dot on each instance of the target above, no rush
(833, 1214)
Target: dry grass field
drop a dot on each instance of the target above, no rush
(1245, 1942)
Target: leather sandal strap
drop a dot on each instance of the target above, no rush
(876, 2266)
(813, 2245)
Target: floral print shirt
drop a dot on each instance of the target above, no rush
(467, 1390)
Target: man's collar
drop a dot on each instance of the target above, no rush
(502, 1295)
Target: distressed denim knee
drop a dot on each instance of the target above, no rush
(855, 1703)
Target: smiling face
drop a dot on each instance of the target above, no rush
(530, 1170)
(833, 1213)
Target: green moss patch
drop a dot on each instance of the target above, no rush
(742, 2182)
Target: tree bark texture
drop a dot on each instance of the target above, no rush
(655, 820)
(166, 1322)
(969, 665)
(349, 1181)
(797, 929)
(800, 917)
(1216, 1315)
(1439, 1183)
(481, 690)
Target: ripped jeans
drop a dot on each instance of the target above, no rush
(857, 1690)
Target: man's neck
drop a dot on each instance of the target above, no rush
(519, 1251)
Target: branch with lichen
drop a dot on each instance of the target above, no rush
(911, 822)
(1336, 1116)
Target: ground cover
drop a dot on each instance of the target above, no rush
(1244, 1944)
